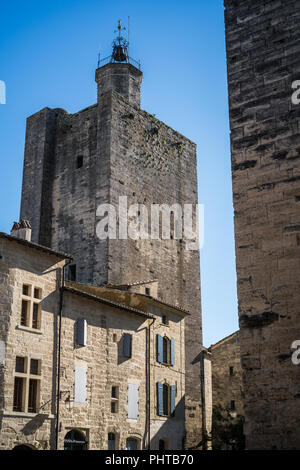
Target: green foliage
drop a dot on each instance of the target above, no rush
(227, 430)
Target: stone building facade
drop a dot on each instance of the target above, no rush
(263, 57)
(76, 162)
(83, 366)
(226, 367)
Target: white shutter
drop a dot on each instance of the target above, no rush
(133, 401)
(80, 384)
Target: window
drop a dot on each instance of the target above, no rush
(133, 401)
(81, 332)
(111, 441)
(132, 443)
(147, 290)
(162, 444)
(232, 405)
(231, 371)
(79, 161)
(115, 338)
(127, 345)
(27, 385)
(25, 313)
(26, 290)
(165, 350)
(114, 404)
(164, 320)
(166, 397)
(75, 440)
(72, 273)
(31, 307)
(80, 395)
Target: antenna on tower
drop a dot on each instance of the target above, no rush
(99, 58)
(128, 30)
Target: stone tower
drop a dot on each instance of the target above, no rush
(263, 56)
(75, 162)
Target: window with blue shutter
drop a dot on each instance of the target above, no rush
(172, 352)
(127, 345)
(173, 398)
(159, 348)
(81, 330)
(160, 398)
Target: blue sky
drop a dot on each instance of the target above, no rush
(48, 56)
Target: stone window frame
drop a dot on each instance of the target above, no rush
(33, 297)
(26, 377)
(114, 400)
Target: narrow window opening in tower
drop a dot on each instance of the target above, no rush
(79, 161)
(72, 272)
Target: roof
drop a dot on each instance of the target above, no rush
(162, 302)
(96, 298)
(223, 340)
(35, 246)
(128, 297)
(137, 283)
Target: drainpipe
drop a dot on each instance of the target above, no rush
(59, 352)
(204, 442)
(148, 383)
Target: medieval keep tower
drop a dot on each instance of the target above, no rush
(75, 162)
(263, 56)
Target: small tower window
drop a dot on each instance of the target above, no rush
(79, 161)
(232, 405)
(147, 290)
(72, 272)
(231, 372)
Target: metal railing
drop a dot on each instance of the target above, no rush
(109, 59)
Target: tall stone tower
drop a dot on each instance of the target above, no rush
(263, 56)
(75, 162)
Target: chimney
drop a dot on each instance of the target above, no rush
(22, 230)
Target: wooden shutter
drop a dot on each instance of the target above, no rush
(172, 352)
(81, 329)
(133, 401)
(159, 348)
(173, 398)
(160, 398)
(80, 384)
(127, 345)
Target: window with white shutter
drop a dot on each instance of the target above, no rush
(133, 401)
(80, 384)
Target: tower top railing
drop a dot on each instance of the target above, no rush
(109, 60)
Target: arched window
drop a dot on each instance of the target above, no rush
(165, 350)
(22, 447)
(75, 440)
(132, 443)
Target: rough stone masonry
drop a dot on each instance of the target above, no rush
(263, 57)
(75, 162)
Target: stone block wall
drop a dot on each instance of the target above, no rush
(18, 267)
(263, 57)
